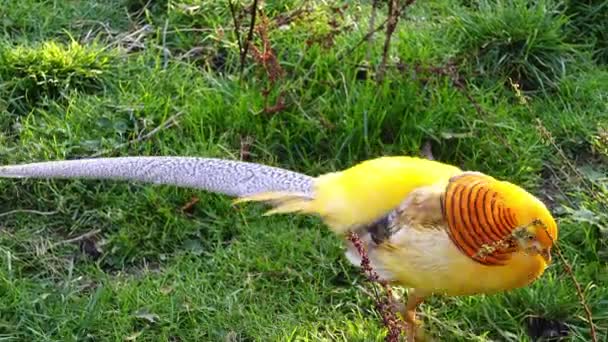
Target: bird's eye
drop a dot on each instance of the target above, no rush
(530, 237)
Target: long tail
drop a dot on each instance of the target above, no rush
(233, 178)
(344, 200)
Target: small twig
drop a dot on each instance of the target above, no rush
(370, 35)
(79, 238)
(192, 52)
(372, 32)
(277, 107)
(265, 55)
(363, 40)
(104, 28)
(393, 19)
(187, 208)
(166, 51)
(385, 306)
(134, 38)
(254, 10)
(286, 18)
(237, 32)
(579, 292)
(28, 211)
(170, 122)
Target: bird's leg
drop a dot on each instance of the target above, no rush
(409, 314)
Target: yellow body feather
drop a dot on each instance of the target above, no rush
(428, 261)
(421, 254)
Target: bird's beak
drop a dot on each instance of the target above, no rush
(546, 254)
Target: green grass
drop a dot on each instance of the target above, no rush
(521, 40)
(78, 78)
(589, 25)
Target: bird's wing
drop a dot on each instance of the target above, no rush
(362, 194)
(469, 208)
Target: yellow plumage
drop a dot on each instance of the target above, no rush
(455, 233)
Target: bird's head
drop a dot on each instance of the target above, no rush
(536, 230)
(488, 219)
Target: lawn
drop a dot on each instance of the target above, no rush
(515, 89)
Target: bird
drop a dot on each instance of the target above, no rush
(428, 226)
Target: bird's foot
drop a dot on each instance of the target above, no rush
(414, 332)
(418, 334)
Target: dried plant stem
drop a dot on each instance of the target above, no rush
(580, 293)
(254, 10)
(79, 238)
(546, 134)
(370, 35)
(366, 38)
(391, 24)
(363, 40)
(237, 32)
(386, 307)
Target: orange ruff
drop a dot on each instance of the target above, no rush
(479, 223)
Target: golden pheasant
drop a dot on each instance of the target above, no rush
(426, 225)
